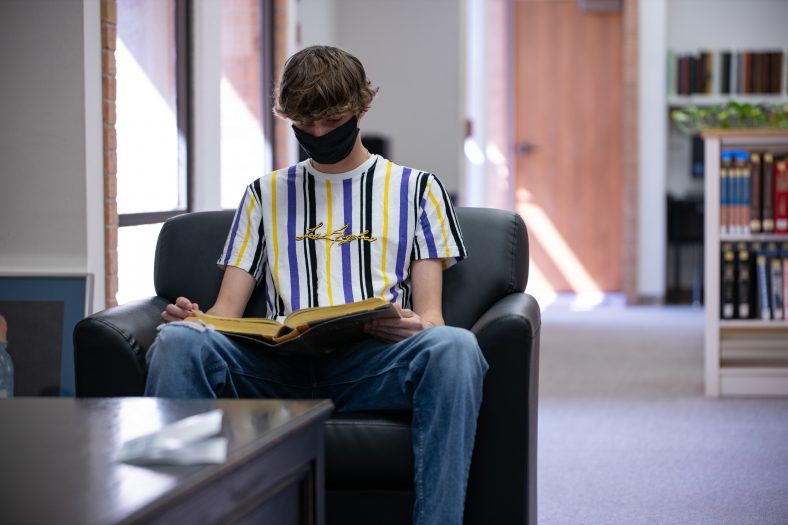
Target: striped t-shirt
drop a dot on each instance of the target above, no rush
(316, 239)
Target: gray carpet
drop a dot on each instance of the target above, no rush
(626, 436)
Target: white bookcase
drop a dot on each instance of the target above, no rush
(742, 357)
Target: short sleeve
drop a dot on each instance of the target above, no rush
(244, 247)
(438, 233)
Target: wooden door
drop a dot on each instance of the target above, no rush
(568, 136)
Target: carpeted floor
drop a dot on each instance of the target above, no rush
(627, 437)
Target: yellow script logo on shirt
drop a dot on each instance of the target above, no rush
(337, 236)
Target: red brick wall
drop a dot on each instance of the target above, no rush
(241, 46)
(109, 20)
(281, 128)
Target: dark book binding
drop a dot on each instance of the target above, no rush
(728, 285)
(781, 196)
(744, 285)
(784, 256)
(725, 73)
(768, 193)
(756, 193)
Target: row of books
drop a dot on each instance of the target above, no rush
(754, 281)
(753, 192)
(726, 72)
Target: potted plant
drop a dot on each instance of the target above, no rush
(731, 115)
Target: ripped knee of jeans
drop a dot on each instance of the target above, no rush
(197, 325)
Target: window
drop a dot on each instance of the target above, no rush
(245, 97)
(152, 129)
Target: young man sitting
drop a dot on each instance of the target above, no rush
(398, 233)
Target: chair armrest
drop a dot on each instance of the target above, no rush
(503, 470)
(110, 347)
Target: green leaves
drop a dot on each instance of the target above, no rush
(691, 119)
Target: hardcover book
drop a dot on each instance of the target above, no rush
(744, 288)
(768, 193)
(776, 296)
(728, 289)
(755, 192)
(734, 197)
(784, 256)
(781, 196)
(310, 331)
(743, 193)
(762, 271)
(726, 161)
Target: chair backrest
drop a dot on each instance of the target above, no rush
(189, 247)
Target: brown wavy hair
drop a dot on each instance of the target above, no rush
(322, 82)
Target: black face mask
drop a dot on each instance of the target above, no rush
(332, 147)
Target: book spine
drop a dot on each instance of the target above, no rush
(734, 73)
(755, 192)
(681, 76)
(724, 192)
(776, 263)
(763, 287)
(671, 72)
(728, 288)
(784, 256)
(746, 203)
(768, 193)
(775, 61)
(743, 282)
(734, 199)
(692, 74)
(725, 73)
(747, 73)
(708, 72)
(781, 196)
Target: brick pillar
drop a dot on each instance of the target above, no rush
(630, 158)
(109, 21)
(281, 128)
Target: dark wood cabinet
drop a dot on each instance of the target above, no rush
(57, 467)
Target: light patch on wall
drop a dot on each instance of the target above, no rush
(243, 145)
(542, 230)
(147, 140)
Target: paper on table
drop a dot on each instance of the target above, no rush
(189, 441)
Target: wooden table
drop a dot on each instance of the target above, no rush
(56, 463)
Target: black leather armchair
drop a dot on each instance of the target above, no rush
(369, 461)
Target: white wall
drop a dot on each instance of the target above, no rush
(317, 21)
(727, 24)
(51, 196)
(695, 25)
(652, 131)
(684, 26)
(207, 75)
(412, 50)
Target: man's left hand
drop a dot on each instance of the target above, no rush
(394, 330)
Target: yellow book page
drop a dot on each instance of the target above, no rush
(308, 316)
(241, 325)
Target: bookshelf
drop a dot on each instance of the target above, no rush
(680, 101)
(743, 357)
(684, 27)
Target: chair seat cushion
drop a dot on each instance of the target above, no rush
(369, 451)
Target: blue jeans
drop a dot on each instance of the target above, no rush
(437, 373)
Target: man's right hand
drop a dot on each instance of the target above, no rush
(179, 311)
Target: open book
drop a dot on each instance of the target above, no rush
(310, 331)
